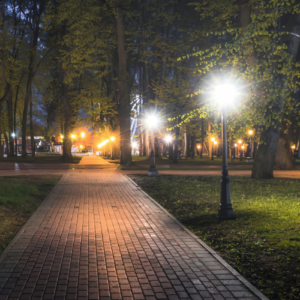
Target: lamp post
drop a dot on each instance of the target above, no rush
(216, 143)
(212, 148)
(223, 93)
(112, 139)
(152, 122)
(235, 150)
(239, 151)
(168, 140)
(200, 152)
(250, 132)
(82, 136)
(134, 146)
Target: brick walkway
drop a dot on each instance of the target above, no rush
(97, 236)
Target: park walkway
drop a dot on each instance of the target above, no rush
(93, 160)
(98, 236)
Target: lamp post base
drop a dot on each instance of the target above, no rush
(225, 210)
(226, 214)
(152, 171)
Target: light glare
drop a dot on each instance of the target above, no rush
(225, 93)
(168, 139)
(152, 120)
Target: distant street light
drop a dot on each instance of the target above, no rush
(112, 138)
(212, 149)
(250, 132)
(13, 135)
(134, 146)
(82, 134)
(73, 136)
(152, 122)
(168, 139)
(224, 94)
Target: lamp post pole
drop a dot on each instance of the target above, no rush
(225, 210)
(152, 171)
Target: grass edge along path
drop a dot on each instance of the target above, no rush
(20, 197)
(41, 159)
(263, 244)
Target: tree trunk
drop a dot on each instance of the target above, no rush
(6, 143)
(67, 143)
(164, 149)
(10, 125)
(1, 147)
(210, 145)
(184, 144)
(202, 138)
(265, 157)
(31, 127)
(157, 148)
(171, 156)
(188, 145)
(147, 142)
(193, 146)
(175, 154)
(124, 94)
(140, 144)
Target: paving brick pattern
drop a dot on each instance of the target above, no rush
(99, 237)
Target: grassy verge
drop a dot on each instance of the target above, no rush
(19, 198)
(40, 159)
(263, 243)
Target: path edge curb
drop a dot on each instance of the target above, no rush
(249, 285)
(27, 223)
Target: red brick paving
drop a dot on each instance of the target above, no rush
(97, 236)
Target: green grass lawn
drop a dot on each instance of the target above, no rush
(40, 158)
(19, 198)
(263, 243)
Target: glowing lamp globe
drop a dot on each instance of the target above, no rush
(152, 121)
(225, 93)
(168, 139)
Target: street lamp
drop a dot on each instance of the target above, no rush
(112, 139)
(134, 146)
(168, 139)
(216, 143)
(224, 94)
(199, 147)
(152, 122)
(212, 152)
